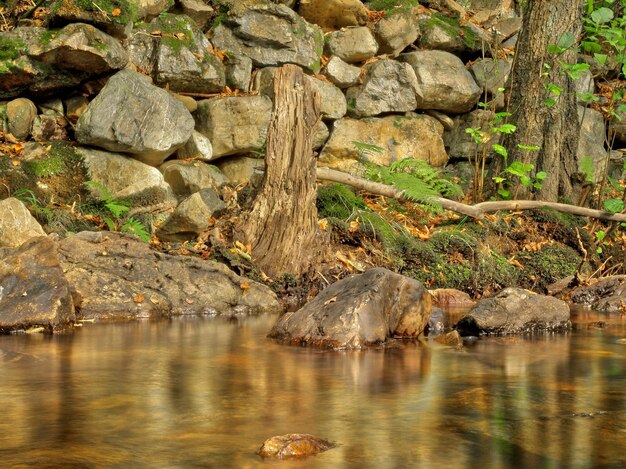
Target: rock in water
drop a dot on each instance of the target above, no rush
(363, 309)
(293, 445)
(513, 311)
(130, 115)
(33, 290)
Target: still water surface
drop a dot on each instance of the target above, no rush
(206, 393)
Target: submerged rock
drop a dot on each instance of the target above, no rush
(513, 311)
(293, 445)
(357, 311)
(116, 276)
(33, 290)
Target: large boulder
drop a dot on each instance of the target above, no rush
(131, 115)
(333, 14)
(387, 139)
(116, 276)
(515, 311)
(352, 45)
(83, 48)
(271, 35)
(17, 225)
(361, 310)
(443, 83)
(388, 86)
(33, 290)
(126, 178)
(234, 124)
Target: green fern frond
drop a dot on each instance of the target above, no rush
(364, 149)
(134, 226)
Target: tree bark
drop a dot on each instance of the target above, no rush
(282, 225)
(554, 129)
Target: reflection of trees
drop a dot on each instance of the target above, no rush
(197, 391)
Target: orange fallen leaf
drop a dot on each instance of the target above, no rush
(116, 12)
(245, 285)
(138, 299)
(323, 224)
(189, 301)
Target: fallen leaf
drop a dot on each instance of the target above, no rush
(116, 12)
(323, 224)
(189, 301)
(138, 299)
(245, 285)
(354, 226)
(332, 300)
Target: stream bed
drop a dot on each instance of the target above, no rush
(202, 392)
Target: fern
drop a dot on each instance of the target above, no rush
(134, 226)
(365, 149)
(115, 206)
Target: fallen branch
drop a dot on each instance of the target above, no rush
(474, 211)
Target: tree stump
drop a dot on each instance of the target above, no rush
(282, 225)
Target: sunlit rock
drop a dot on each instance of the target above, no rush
(351, 44)
(17, 225)
(514, 311)
(357, 311)
(187, 177)
(333, 14)
(293, 445)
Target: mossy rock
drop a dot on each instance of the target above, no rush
(551, 263)
(391, 6)
(452, 26)
(113, 11)
(454, 240)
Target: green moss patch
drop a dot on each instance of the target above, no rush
(453, 27)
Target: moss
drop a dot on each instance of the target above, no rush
(451, 241)
(47, 36)
(43, 168)
(338, 201)
(494, 272)
(126, 10)
(176, 32)
(551, 263)
(453, 27)
(391, 6)
(10, 49)
(549, 215)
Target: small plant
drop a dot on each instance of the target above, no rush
(29, 198)
(116, 209)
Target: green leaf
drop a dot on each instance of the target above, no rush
(498, 179)
(614, 205)
(586, 168)
(600, 58)
(600, 235)
(602, 15)
(550, 102)
(500, 150)
(567, 40)
(517, 168)
(541, 175)
(134, 226)
(504, 194)
(505, 129)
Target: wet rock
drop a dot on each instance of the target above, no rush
(397, 31)
(116, 276)
(234, 124)
(130, 115)
(17, 225)
(397, 137)
(197, 147)
(185, 178)
(238, 71)
(84, 48)
(460, 144)
(607, 294)
(443, 83)
(20, 114)
(293, 445)
(184, 63)
(591, 141)
(241, 169)
(361, 310)
(126, 178)
(351, 45)
(342, 74)
(450, 297)
(451, 339)
(436, 322)
(514, 311)
(271, 35)
(33, 290)
(192, 216)
(199, 11)
(388, 86)
(333, 14)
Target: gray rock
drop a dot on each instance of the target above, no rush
(126, 178)
(607, 294)
(397, 31)
(142, 49)
(388, 86)
(591, 141)
(184, 63)
(33, 290)
(342, 74)
(321, 134)
(199, 11)
(84, 48)
(584, 86)
(20, 114)
(351, 45)
(508, 27)
(443, 83)
(271, 35)
(131, 115)
(192, 216)
(491, 75)
(262, 81)
(357, 311)
(187, 178)
(132, 281)
(197, 147)
(52, 107)
(238, 71)
(445, 120)
(242, 169)
(397, 137)
(333, 14)
(514, 311)
(17, 225)
(234, 124)
(443, 33)
(150, 8)
(460, 144)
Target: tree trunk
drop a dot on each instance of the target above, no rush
(282, 225)
(552, 128)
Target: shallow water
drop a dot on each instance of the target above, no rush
(207, 392)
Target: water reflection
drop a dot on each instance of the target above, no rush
(206, 393)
